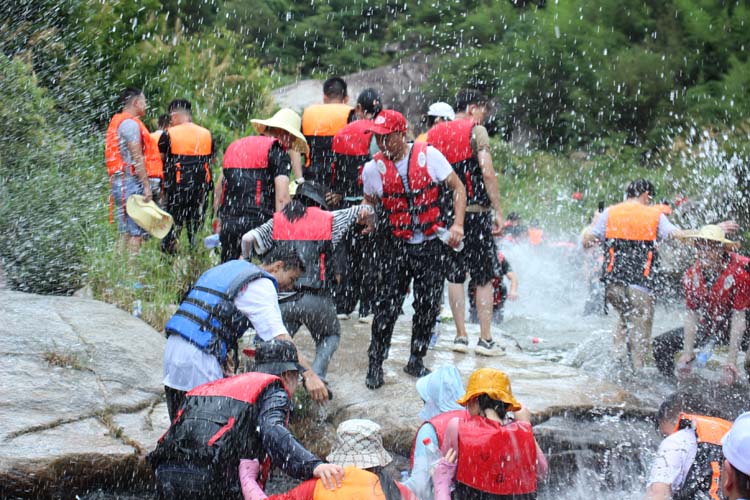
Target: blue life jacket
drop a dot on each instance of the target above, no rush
(207, 316)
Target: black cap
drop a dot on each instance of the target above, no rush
(276, 357)
(370, 101)
(312, 191)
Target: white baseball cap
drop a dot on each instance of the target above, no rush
(736, 444)
(441, 110)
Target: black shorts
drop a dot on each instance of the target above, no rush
(479, 256)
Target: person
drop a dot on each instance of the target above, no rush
(254, 182)
(188, 151)
(438, 112)
(688, 460)
(244, 416)
(354, 259)
(491, 431)
(129, 155)
(407, 178)
(314, 232)
(735, 482)
(156, 178)
(629, 232)
(320, 123)
(359, 450)
(717, 296)
(224, 302)
(500, 292)
(466, 145)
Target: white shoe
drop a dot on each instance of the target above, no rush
(343, 316)
(490, 348)
(366, 319)
(460, 344)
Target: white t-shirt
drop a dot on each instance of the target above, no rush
(437, 166)
(674, 458)
(186, 366)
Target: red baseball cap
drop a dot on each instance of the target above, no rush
(388, 121)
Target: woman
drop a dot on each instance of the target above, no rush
(498, 427)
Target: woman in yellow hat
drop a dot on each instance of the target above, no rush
(497, 455)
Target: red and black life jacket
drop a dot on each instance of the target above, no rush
(439, 423)
(351, 149)
(453, 139)
(216, 427)
(630, 243)
(416, 208)
(703, 477)
(320, 123)
(248, 183)
(113, 156)
(311, 235)
(496, 459)
(186, 165)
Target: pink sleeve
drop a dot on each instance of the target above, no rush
(542, 467)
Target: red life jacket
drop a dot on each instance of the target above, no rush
(630, 243)
(113, 156)
(311, 236)
(495, 458)
(705, 471)
(417, 209)
(186, 162)
(453, 139)
(439, 423)
(216, 427)
(320, 122)
(351, 150)
(248, 184)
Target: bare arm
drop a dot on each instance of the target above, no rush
(659, 491)
(513, 292)
(491, 185)
(136, 153)
(281, 185)
(735, 335)
(296, 159)
(690, 328)
(459, 208)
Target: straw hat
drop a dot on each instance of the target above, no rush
(712, 232)
(492, 382)
(149, 216)
(285, 119)
(359, 443)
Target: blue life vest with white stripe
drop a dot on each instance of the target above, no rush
(207, 316)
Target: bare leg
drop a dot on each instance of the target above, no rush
(134, 244)
(457, 300)
(484, 309)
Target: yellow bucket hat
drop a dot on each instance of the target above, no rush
(149, 216)
(285, 119)
(492, 382)
(712, 232)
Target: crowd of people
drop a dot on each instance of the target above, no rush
(337, 208)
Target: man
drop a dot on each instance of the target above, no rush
(130, 154)
(314, 233)
(226, 300)
(438, 112)
(355, 258)
(407, 179)
(241, 417)
(687, 463)
(629, 232)
(188, 150)
(717, 294)
(735, 474)
(254, 182)
(157, 179)
(466, 145)
(320, 122)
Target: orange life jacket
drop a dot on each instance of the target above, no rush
(113, 156)
(320, 122)
(190, 150)
(311, 236)
(421, 137)
(495, 458)
(705, 471)
(417, 209)
(630, 243)
(358, 484)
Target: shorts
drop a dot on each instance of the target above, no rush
(123, 187)
(479, 256)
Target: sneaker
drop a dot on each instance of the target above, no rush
(344, 316)
(460, 344)
(367, 319)
(489, 348)
(374, 377)
(416, 368)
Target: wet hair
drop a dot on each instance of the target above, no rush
(334, 88)
(370, 101)
(127, 95)
(297, 207)
(287, 254)
(675, 404)
(180, 105)
(487, 403)
(163, 121)
(387, 483)
(466, 97)
(638, 187)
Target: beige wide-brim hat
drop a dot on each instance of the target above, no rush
(712, 232)
(285, 119)
(149, 216)
(359, 443)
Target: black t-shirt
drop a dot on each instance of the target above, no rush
(279, 162)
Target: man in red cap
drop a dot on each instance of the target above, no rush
(407, 179)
